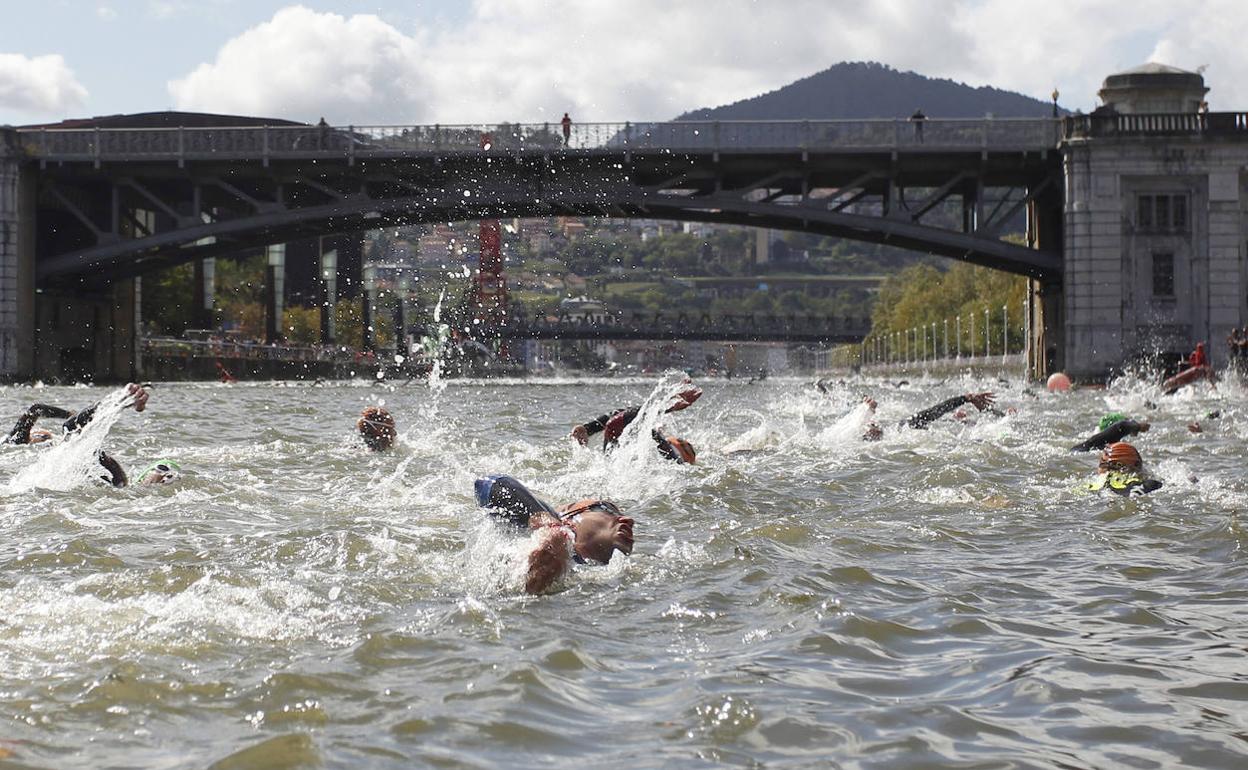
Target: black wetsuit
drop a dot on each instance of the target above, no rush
(933, 413)
(72, 423)
(1114, 433)
(21, 431)
(618, 421)
(509, 500)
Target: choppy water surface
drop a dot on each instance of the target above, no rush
(944, 598)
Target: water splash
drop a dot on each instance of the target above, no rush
(75, 460)
(435, 349)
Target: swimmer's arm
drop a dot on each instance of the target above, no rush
(599, 423)
(21, 431)
(549, 560)
(616, 425)
(933, 413)
(114, 469)
(1116, 432)
(79, 420)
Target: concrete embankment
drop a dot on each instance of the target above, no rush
(183, 369)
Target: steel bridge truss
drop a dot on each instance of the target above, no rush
(98, 222)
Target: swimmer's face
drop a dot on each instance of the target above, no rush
(156, 477)
(38, 436)
(161, 473)
(872, 432)
(599, 534)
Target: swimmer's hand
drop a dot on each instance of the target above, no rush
(980, 401)
(1143, 426)
(549, 560)
(581, 435)
(870, 402)
(687, 395)
(140, 396)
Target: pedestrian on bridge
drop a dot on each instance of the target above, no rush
(917, 119)
(567, 129)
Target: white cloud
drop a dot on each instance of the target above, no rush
(303, 64)
(106, 13)
(40, 85)
(652, 59)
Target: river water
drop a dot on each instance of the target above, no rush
(942, 598)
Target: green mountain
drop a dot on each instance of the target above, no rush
(872, 90)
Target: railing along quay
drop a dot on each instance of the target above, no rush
(682, 326)
(352, 142)
(990, 337)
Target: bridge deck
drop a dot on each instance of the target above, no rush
(269, 142)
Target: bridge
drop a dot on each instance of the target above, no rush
(215, 191)
(1132, 217)
(685, 326)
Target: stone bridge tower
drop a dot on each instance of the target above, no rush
(1155, 223)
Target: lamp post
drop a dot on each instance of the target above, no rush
(987, 345)
(946, 337)
(1005, 331)
(1055, 95)
(933, 340)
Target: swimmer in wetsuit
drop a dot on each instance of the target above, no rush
(587, 531)
(376, 427)
(1114, 427)
(24, 432)
(920, 421)
(612, 425)
(1121, 471)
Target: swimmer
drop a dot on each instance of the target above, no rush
(584, 532)
(376, 427)
(163, 471)
(674, 447)
(920, 421)
(1121, 470)
(24, 431)
(612, 425)
(1112, 428)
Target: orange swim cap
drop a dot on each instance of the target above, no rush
(1122, 454)
(684, 449)
(377, 427)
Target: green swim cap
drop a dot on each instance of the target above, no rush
(165, 466)
(1110, 419)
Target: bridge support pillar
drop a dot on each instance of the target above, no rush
(1045, 300)
(204, 293)
(329, 293)
(89, 335)
(274, 293)
(17, 262)
(366, 315)
(400, 319)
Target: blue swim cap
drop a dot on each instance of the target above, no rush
(483, 488)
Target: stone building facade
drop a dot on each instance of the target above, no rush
(1155, 224)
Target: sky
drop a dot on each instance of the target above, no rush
(398, 62)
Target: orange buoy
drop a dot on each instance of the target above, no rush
(1058, 383)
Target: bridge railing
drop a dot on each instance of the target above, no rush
(264, 142)
(1159, 124)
